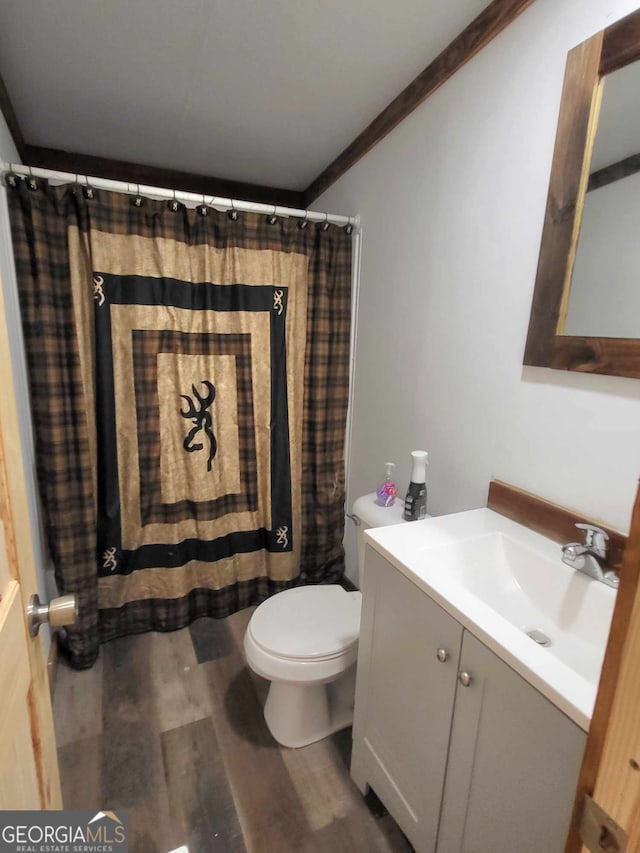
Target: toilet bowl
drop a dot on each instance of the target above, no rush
(305, 642)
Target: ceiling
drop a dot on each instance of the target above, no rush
(263, 91)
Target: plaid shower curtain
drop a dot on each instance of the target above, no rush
(188, 385)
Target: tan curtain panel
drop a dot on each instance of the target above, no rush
(189, 383)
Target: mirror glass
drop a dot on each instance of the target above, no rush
(604, 299)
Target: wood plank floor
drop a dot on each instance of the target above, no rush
(170, 727)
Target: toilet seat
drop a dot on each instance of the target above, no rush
(307, 635)
(310, 623)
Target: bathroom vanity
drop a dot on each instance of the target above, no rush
(470, 732)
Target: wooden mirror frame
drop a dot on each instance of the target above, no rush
(587, 64)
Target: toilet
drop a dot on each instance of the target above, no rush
(304, 640)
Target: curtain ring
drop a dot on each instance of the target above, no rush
(175, 204)
(32, 182)
(137, 200)
(304, 223)
(325, 224)
(349, 227)
(88, 191)
(233, 213)
(272, 218)
(203, 210)
(11, 177)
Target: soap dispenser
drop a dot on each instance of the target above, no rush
(387, 490)
(415, 504)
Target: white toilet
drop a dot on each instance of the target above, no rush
(305, 642)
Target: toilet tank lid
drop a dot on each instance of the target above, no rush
(373, 515)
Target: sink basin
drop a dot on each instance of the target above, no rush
(508, 586)
(535, 594)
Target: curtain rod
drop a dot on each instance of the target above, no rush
(188, 198)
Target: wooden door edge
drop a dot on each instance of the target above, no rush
(20, 547)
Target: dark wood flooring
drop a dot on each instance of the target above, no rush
(170, 727)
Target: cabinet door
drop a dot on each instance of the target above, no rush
(404, 699)
(513, 763)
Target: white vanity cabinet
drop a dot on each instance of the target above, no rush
(404, 697)
(483, 764)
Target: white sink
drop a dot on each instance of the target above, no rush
(507, 584)
(535, 594)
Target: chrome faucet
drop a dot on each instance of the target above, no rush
(588, 557)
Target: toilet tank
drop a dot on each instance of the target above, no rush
(370, 514)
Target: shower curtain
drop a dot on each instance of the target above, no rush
(188, 384)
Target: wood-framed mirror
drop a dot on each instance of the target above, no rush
(585, 314)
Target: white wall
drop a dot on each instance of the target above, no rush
(8, 150)
(8, 154)
(452, 205)
(605, 289)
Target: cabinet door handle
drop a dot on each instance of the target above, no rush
(464, 678)
(442, 655)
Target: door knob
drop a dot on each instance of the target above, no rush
(464, 678)
(442, 655)
(60, 611)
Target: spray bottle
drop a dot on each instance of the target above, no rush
(415, 504)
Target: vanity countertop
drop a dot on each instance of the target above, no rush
(501, 580)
